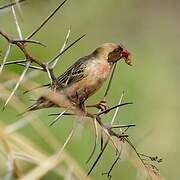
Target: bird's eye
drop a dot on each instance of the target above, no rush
(120, 48)
(115, 55)
(117, 50)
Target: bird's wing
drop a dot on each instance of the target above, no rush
(74, 73)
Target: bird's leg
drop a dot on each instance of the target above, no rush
(77, 98)
(102, 105)
(80, 99)
(80, 102)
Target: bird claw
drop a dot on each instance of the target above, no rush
(102, 105)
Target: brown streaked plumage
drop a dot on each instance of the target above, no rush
(86, 75)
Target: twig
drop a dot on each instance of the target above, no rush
(17, 24)
(152, 158)
(114, 107)
(19, 9)
(28, 41)
(22, 63)
(102, 139)
(10, 4)
(110, 134)
(56, 114)
(20, 44)
(6, 36)
(68, 139)
(146, 165)
(105, 94)
(59, 54)
(28, 58)
(110, 80)
(95, 142)
(121, 126)
(49, 75)
(45, 21)
(46, 85)
(9, 45)
(111, 168)
(112, 121)
(54, 61)
(30, 67)
(97, 159)
(117, 109)
(22, 47)
(139, 156)
(58, 117)
(14, 62)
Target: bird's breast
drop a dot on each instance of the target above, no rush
(96, 73)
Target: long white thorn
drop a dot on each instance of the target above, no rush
(117, 109)
(96, 140)
(17, 24)
(58, 117)
(68, 139)
(55, 61)
(49, 75)
(5, 57)
(18, 83)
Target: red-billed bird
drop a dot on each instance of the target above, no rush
(85, 76)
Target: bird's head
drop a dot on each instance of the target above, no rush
(113, 52)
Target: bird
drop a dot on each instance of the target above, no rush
(82, 79)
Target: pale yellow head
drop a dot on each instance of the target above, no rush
(112, 53)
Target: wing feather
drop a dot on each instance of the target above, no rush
(74, 73)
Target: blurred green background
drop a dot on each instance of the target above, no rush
(151, 32)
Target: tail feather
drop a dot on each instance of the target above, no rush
(41, 103)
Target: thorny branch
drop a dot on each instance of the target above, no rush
(94, 122)
(120, 137)
(46, 20)
(109, 171)
(28, 58)
(10, 4)
(112, 131)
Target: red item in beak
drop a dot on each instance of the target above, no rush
(125, 54)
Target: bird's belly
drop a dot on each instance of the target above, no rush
(84, 88)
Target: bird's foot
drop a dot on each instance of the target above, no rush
(102, 105)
